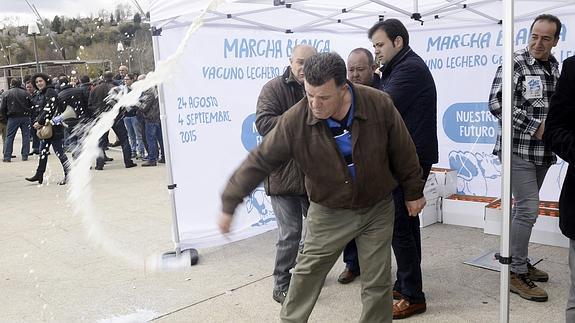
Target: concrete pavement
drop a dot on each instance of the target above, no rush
(52, 271)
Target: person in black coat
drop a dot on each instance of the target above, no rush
(559, 136)
(77, 99)
(98, 103)
(15, 108)
(48, 98)
(407, 79)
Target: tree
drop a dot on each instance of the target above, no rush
(72, 24)
(112, 22)
(56, 24)
(137, 19)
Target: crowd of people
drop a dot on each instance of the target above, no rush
(349, 158)
(59, 112)
(346, 152)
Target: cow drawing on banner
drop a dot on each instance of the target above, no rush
(259, 202)
(477, 173)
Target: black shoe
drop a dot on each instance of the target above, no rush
(36, 178)
(6, 160)
(99, 168)
(279, 296)
(149, 163)
(108, 159)
(346, 276)
(161, 161)
(131, 165)
(64, 181)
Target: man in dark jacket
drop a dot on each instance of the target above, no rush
(349, 179)
(361, 69)
(407, 79)
(34, 113)
(75, 98)
(98, 104)
(16, 108)
(2, 126)
(559, 136)
(150, 109)
(285, 185)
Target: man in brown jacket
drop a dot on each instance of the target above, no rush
(285, 185)
(352, 146)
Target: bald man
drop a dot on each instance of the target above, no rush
(285, 185)
(361, 68)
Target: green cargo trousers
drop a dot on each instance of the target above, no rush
(329, 230)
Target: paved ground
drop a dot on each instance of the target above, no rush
(51, 270)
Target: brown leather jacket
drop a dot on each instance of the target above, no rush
(383, 154)
(276, 97)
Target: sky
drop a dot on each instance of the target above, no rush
(18, 11)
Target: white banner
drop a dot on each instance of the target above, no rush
(463, 64)
(211, 103)
(210, 112)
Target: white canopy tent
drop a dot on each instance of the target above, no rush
(353, 16)
(347, 19)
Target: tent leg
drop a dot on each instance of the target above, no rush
(177, 254)
(506, 141)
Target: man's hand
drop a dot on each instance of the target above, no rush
(37, 125)
(224, 222)
(414, 207)
(539, 133)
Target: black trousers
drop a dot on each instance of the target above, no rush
(406, 244)
(57, 146)
(122, 134)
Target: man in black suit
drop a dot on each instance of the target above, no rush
(559, 136)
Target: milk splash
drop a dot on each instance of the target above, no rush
(80, 190)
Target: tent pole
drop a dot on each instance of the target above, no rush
(506, 142)
(192, 253)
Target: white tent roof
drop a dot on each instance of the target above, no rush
(353, 16)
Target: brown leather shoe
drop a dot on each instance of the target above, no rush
(403, 309)
(346, 276)
(397, 295)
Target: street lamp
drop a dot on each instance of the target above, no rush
(8, 52)
(120, 49)
(33, 30)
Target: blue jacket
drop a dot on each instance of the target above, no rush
(407, 79)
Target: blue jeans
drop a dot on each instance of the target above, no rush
(154, 137)
(12, 127)
(525, 183)
(3, 134)
(134, 134)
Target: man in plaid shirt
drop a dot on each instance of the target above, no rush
(535, 76)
